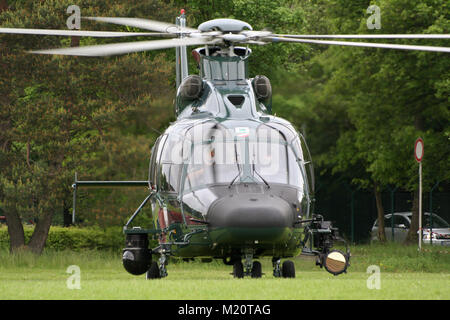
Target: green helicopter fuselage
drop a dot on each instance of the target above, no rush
(228, 177)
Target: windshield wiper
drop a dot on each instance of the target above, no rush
(264, 180)
(229, 186)
(239, 167)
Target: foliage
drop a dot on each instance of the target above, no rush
(61, 115)
(363, 108)
(75, 239)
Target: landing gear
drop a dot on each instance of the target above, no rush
(285, 270)
(288, 269)
(158, 269)
(248, 268)
(153, 271)
(256, 270)
(276, 262)
(238, 269)
(162, 265)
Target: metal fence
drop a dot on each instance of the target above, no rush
(354, 210)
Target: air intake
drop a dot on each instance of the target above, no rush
(236, 100)
(191, 88)
(262, 87)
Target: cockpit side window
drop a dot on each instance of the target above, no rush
(211, 163)
(170, 163)
(309, 168)
(153, 172)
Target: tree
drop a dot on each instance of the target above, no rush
(62, 114)
(396, 100)
(3, 5)
(364, 108)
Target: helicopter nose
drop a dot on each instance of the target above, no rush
(250, 211)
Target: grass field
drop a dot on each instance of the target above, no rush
(405, 274)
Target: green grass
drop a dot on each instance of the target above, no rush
(405, 274)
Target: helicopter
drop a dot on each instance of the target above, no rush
(227, 180)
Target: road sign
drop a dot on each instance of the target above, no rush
(418, 154)
(418, 150)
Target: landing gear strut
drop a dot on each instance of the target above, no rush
(248, 268)
(158, 269)
(276, 262)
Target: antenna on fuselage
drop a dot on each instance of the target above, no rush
(181, 55)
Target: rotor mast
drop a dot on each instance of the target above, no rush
(181, 55)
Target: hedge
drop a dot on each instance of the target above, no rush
(74, 238)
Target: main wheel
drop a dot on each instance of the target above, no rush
(288, 269)
(238, 269)
(153, 271)
(256, 270)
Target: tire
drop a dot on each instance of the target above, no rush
(153, 271)
(256, 270)
(288, 269)
(238, 270)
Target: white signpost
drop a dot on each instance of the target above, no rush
(418, 153)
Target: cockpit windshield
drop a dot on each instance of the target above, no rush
(242, 160)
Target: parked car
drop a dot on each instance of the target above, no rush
(437, 234)
(2, 219)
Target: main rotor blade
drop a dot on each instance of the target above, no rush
(101, 34)
(363, 44)
(125, 47)
(367, 36)
(144, 24)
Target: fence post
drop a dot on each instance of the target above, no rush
(431, 211)
(352, 211)
(392, 191)
(353, 215)
(313, 200)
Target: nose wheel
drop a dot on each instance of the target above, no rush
(248, 268)
(255, 271)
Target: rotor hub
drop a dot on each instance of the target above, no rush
(224, 25)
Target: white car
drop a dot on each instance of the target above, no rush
(436, 234)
